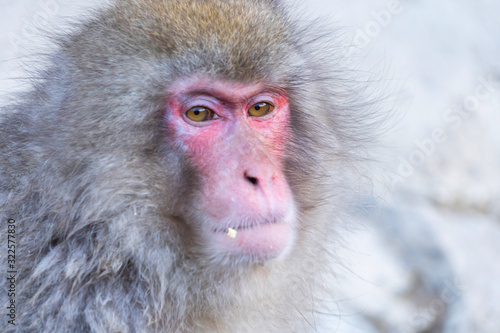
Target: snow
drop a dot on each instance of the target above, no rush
(424, 256)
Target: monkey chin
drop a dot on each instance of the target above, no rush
(257, 243)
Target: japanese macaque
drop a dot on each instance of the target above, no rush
(178, 168)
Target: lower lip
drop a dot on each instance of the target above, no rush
(262, 242)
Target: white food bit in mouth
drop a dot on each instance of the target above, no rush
(231, 232)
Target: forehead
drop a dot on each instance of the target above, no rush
(224, 90)
(240, 40)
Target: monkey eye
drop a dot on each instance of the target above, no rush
(200, 113)
(260, 109)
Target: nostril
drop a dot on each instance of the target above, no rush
(251, 179)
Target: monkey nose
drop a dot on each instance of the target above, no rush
(251, 179)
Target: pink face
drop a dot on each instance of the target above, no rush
(235, 134)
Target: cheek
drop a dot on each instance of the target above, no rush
(274, 134)
(196, 142)
(280, 135)
(208, 150)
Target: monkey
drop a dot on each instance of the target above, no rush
(179, 167)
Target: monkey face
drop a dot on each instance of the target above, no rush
(234, 135)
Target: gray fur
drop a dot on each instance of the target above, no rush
(98, 193)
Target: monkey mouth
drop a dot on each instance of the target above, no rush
(265, 240)
(245, 226)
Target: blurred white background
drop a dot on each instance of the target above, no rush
(425, 256)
